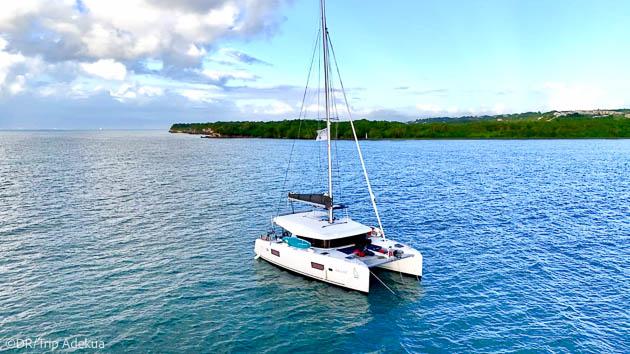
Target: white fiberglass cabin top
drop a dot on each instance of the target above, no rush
(315, 228)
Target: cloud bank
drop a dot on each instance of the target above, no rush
(179, 32)
(134, 52)
(147, 64)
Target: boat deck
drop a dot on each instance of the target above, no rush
(372, 257)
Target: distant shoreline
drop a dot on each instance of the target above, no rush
(403, 139)
(550, 125)
(416, 139)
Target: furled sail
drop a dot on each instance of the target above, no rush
(321, 200)
(322, 134)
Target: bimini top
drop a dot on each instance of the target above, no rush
(314, 224)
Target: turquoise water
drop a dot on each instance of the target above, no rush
(143, 241)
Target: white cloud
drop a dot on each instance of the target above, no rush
(498, 108)
(130, 50)
(313, 108)
(428, 107)
(578, 96)
(222, 75)
(231, 56)
(278, 107)
(18, 85)
(13, 10)
(431, 110)
(363, 111)
(124, 92)
(195, 51)
(79, 91)
(201, 93)
(134, 51)
(195, 95)
(264, 106)
(194, 24)
(107, 69)
(150, 91)
(121, 30)
(131, 91)
(9, 81)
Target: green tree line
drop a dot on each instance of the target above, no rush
(577, 127)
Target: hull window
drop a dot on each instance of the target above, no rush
(317, 266)
(275, 253)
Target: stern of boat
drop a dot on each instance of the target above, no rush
(409, 265)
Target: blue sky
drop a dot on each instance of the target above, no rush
(72, 64)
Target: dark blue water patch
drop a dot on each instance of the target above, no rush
(144, 240)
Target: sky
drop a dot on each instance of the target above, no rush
(89, 64)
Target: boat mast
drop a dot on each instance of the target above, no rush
(325, 44)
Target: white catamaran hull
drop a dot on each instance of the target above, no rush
(348, 273)
(332, 266)
(409, 265)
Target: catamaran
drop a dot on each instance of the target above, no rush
(318, 244)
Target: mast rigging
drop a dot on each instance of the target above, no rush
(327, 94)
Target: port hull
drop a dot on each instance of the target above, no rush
(347, 273)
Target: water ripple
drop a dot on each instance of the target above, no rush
(143, 240)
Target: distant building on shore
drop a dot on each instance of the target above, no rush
(595, 112)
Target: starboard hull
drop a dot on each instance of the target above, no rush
(410, 266)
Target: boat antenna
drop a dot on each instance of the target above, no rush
(326, 84)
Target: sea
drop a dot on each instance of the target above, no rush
(142, 241)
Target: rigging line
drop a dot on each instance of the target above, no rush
(356, 140)
(308, 78)
(304, 108)
(379, 279)
(338, 182)
(319, 86)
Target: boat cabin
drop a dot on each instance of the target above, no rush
(313, 226)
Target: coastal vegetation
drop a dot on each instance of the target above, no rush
(531, 125)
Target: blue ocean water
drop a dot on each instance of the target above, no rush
(143, 240)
